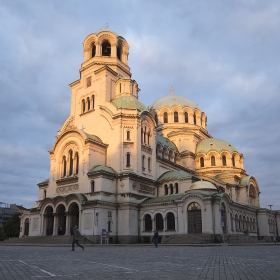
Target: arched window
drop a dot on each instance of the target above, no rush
(148, 137)
(77, 163)
(118, 53)
(166, 189)
(148, 223)
(176, 118)
(186, 117)
(194, 218)
(127, 159)
(64, 163)
(171, 188)
(201, 162)
(159, 222)
(92, 100)
(144, 135)
(149, 164)
(71, 161)
(45, 194)
(233, 161)
(93, 50)
(224, 160)
(106, 49)
(165, 117)
(170, 221)
(213, 161)
(88, 103)
(128, 135)
(109, 226)
(176, 188)
(92, 185)
(156, 119)
(83, 106)
(194, 119)
(143, 163)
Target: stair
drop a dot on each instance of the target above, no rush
(56, 239)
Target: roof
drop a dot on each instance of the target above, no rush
(94, 137)
(129, 102)
(200, 185)
(166, 198)
(165, 142)
(245, 180)
(100, 168)
(173, 100)
(106, 30)
(214, 144)
(169, 175)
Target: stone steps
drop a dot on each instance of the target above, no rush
(56, 239)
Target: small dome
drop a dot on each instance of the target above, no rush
(129, 102)
(199, 185)
(213, 144)
(173, 100)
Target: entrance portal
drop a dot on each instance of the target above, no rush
(194, 218)
(74, 216)
(49, 220)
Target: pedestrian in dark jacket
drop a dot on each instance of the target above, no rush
(155, 238)
(76, 238)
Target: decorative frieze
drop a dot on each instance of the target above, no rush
(67, 189)
(147, 189)
(147, 149)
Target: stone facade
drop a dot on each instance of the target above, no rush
(119, 166)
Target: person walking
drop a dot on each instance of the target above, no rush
(76, 238)
(155, 238)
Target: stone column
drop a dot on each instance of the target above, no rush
(67, 229)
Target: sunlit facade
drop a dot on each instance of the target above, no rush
(120, 166)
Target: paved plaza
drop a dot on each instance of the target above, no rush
(140, 262)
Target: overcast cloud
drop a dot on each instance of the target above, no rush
(223, 55)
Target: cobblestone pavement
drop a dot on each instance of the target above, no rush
(140, 262)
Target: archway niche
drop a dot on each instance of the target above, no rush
(106, 48)
(194, 218)
(49, 220)
(61, 219)
(148, 223)
(26, 227)
(73, 216)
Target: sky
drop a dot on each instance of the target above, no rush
(223, 55)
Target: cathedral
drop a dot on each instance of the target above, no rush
(120, 167)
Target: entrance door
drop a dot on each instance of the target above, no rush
(49, 220)
(74, 216)
(26, 227)
(194, 218)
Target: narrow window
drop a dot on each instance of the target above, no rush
(224, 160)
(71, 163)
(149, 164)
(201, 162)
(127, 160)
(213, 161)
(165, 118)
(166, 189)
(156, 119)
(118, 53)
(92, 186)
(92, 100)
(171, 189)
(142, 135)
(186, 117)
(145, 135)
(64, 166)
(128, 135)
(45, 193)
(143, 163)
(93, 50)
(194, 119)
(148, 137)
(109, 226)
(77, 163)
(176, 188)
(120, 88)
(233, 161)
(88, 104)
(176, 118)
(83, 106)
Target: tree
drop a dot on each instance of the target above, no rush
(12, 227)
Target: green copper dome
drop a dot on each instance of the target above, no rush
(173, 100)
(213, 144)
(129, 102)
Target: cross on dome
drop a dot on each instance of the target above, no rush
(107, 26)
(171, 90)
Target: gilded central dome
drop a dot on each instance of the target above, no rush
(214, 144)
(173, 100)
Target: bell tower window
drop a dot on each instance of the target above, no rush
(93, 50)
(118, 53)
(106, 49)
(176, 117)
(186, 117)
(165, 118)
